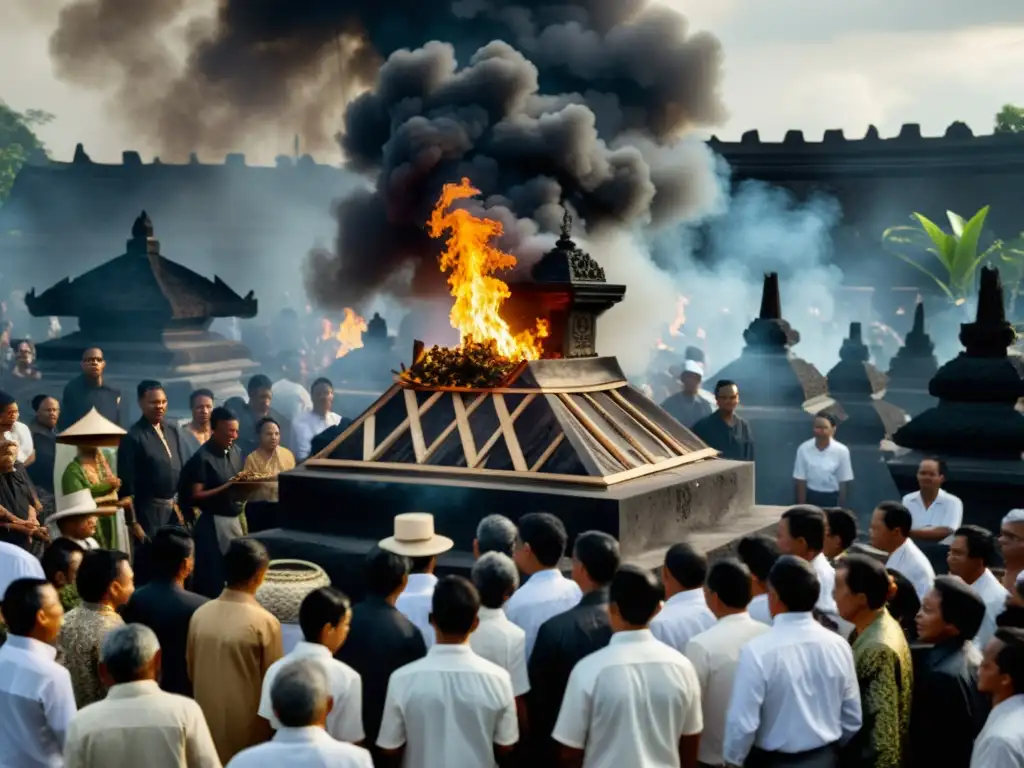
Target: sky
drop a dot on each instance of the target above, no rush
(810, 65)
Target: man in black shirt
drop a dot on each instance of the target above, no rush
(85, 392)
(166, 607)
(380, 639)
(566, 638)
(252, 413)
(44, 441)
(723, 430)
(206, 484)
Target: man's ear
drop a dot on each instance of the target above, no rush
(105, 677)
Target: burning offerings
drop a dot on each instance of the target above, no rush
(350, 333)
(488, 351)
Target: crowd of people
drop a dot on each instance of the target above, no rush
(797, 651)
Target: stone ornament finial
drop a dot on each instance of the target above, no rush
(566, 224)
(143, 227)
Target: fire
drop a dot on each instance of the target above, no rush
(676, 328)
(350, 333)
(471, 261)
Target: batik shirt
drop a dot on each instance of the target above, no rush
(79, 644)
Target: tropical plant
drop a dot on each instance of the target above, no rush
(1010, 119)
(958, 253)
(18, 142)
(1011, 264)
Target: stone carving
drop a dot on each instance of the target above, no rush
(566, 262)
(581, 341)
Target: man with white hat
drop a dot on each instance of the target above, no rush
(415, 538)
(689, 406)
(1011, 542)
(76, 518)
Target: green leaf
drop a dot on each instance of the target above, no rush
(942, 285)
(956, 223)
(945, 245)
(966, 257)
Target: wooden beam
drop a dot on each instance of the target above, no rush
(649, 457)
(595, 431)
(650, 426)
(481, 456)
(650, 469)
(548, 452)
(396, 433)
(412, 407)
(372, 410)
(369, 437)
(520, 390)
(465, 473)
(465, 431)
(508, 428)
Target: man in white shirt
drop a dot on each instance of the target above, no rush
(17, 563)
(801, 533)
(301, 700)
(635, 702)
(890, 532)
(496, 638)
(823, 472)
(495, 533)
(936, 514)
(1011, 545)
(415, 538)
(972, 551)
(685, 613)
(539, 549)
(715, 652)
(759, 554)
(290, 395)
(311, 423)
(325, 617)
(453, 707)
(136, 718)
(14, 431)
(1001, 675)
(36, 698)
(795, 697)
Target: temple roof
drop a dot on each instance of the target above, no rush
(141, 282)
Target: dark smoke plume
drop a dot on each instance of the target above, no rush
(583, 104)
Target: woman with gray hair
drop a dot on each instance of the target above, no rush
(497, 639)
(137, 723)
(301, 698)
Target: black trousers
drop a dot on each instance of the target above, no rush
(823, 498)
(823, 757)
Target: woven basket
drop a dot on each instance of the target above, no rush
(286, 585)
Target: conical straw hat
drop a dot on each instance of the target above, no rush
(92, 429)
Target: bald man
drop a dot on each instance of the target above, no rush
(87, 391)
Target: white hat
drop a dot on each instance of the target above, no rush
(692, 366)
(92, 429)
(415, 537)
(1014, 516)
(78, 503)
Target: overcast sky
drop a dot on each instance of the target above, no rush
(804, 64)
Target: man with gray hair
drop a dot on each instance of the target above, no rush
(137, 723)
(496, 638)
(495, 533)
(301, 700)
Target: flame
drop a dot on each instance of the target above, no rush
(701, 333)
(661, 345)
(680, 320)
(350, 333)
(471, 261)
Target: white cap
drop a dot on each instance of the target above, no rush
(1014, 516)
(692, 366)
(1020, 577)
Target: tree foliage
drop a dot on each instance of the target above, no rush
(1010, 119)
(18, 142)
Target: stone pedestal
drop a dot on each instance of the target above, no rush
(912, 369)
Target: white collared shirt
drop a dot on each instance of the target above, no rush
(345, 721)
(629, 703)
(307, 426)
(909, 560)
(21, 435)
(309, 747)
(449, 709)
(415, 603)
(291, 399)
(684, 616)
(36, 704)
(827, 579)
(715, 654)
(759, 610)
(503, 643)
(823, 470)
(545, 594)
(17, 563)
(795, 690)
(1001, 742)
(994, 595)
(947, 511)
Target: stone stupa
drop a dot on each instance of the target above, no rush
(912, 368)
(974, 427)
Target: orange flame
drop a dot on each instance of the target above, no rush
(350, 333)
(471, 260)
(676, 328)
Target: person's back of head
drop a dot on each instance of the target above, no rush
(1009, 659)
(422, 564)
(598, 554)
(324, 612)
(172, 549)
(23, 607)
(807, 523)
(759, 554)
(300, 694)
(866, 576)
(129, 653)
(729, 581)
(960, 606)
(384, 572)
(99, 573)
(496, 533)
(495, 577)
(795, 585)
(245, 563)
(686, 566)
(545, 536)
(57, 560)
(842, 524)
(633, 598)
(454, 607)
(903, 603)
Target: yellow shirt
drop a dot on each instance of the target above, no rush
(232, 641)
(281, 461)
